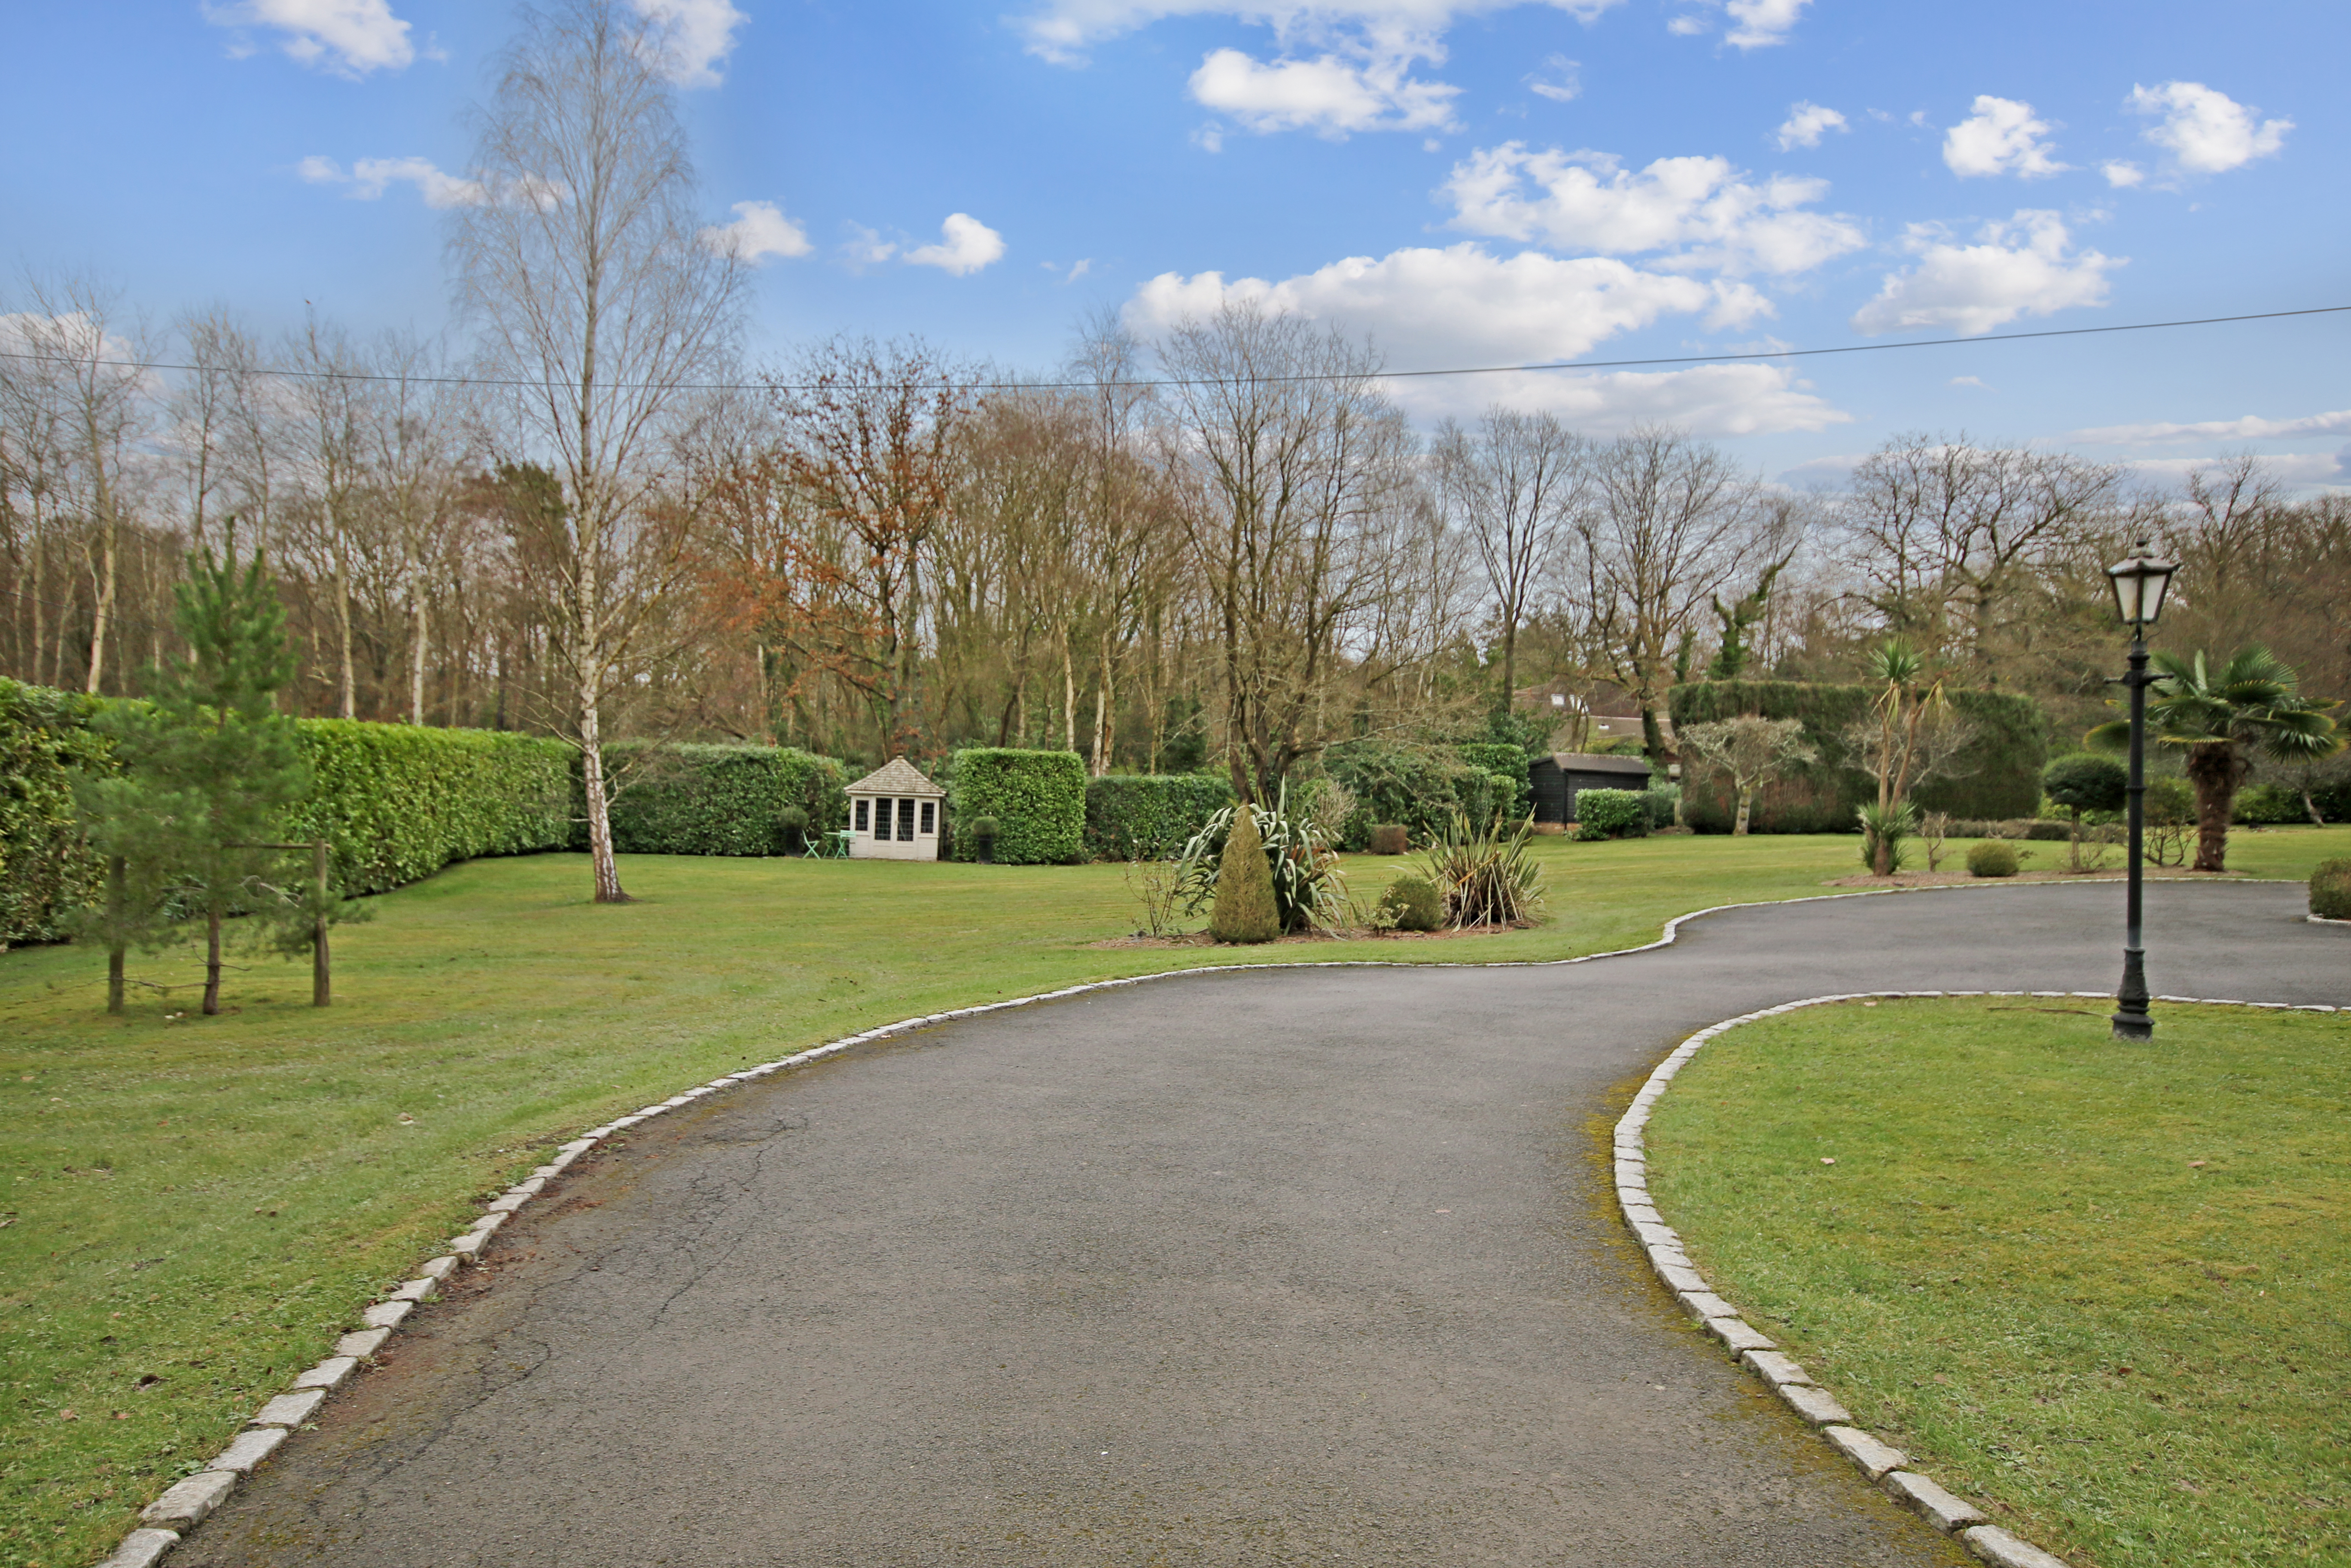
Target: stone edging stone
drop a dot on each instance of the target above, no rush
(186, 1504)
(1884, 1464)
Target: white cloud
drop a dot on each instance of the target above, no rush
(2002, 137)
(968, 246)
(1462, 306)
(2019, 267)
(1565, 85)
(1330, 94)
(2121, 173)
(1806, 123)
(348, 38)
(1686, 26)
(2250, 427)
(865, 247)
(2205, 130)
(1078, 269)
(1703, 210)
(1975, 381)
(1062, 30)
(1759, 24)
(2293, 469)
(369, 178)
(759, 233)
(695, 35)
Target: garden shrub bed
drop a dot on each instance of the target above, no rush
(2097, 1285)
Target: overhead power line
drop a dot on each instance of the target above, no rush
(1139, 383)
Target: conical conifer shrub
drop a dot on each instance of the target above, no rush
(1245, 910)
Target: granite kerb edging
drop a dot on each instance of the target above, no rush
(186, 1503)
(1885, 1464)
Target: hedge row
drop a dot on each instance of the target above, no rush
(45, 871)
(1150, 816)
(2002, 780)
(397, 802)
(1038, 799)
(713, 800)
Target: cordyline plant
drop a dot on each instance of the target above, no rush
(1910, 735)
(1487, 872)
(2253, 704)
(1309, 891)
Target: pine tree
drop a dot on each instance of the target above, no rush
(210, 769)
(1245, 910)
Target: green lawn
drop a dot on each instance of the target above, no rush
(2100, 1286)
(195, 1206)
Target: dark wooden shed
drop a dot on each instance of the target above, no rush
(1558, 779)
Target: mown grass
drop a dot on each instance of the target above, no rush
(2101, 1286)
(194, 1206)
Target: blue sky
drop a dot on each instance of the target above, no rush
(1473, 182)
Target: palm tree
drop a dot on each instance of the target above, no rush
(2253, 704)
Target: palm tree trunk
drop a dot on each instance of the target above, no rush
(2216, 769)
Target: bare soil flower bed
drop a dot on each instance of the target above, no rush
(1347, 934)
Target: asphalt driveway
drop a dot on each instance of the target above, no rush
(1284, 1267)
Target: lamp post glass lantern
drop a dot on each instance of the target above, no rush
(2140, 584)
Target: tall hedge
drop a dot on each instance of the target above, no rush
(1038, 798)
(399, 802)
(1148, 816)
(719, 800)
(2004, 762)
(46, 871)
(1509, 760)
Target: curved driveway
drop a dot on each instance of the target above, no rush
(1283, 1267)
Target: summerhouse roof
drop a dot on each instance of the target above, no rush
(895, 777)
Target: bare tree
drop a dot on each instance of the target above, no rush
(582, 267)
(1752, 750)
(1667, 524)
(1511, 484)
(1294, 460)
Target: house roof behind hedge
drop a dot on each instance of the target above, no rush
(895, 777)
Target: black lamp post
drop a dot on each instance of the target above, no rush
(2140, 584)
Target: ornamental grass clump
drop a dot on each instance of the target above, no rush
(1993, 857)
(2330, 890)
(1488, 875)
(1244, 909)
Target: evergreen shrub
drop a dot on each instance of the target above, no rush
(1611, 814)
(1421, 788)
(1993, 857)
(2268, 805)
(47, 870)
(1510, 761)
(1415, 902)
(2004, 759)
(1148, 816)
(2330, 890)
(1038, 798)
(1244, 910)
(399, 802)
(1389, 838)
(697, 799)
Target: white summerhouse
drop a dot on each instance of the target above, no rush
(894, 814)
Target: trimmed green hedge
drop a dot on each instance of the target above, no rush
(1038, 798)
(1822, 796)
(46, 871)
(1611, 814)
(695, 799)
(397, 802)
(1148, 816)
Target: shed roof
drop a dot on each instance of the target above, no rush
(1598, 762)
(895, 777)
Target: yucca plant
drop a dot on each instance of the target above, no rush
(1487, 873)
(1883, 831)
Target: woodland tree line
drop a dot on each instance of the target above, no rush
(1224, 547)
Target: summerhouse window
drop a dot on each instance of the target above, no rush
(862, 804)
(930, 817)
(906, 822)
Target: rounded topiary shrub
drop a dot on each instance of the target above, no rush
(1993, 857)
(2330, 890)
(1388, 839)
(1415, 902)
